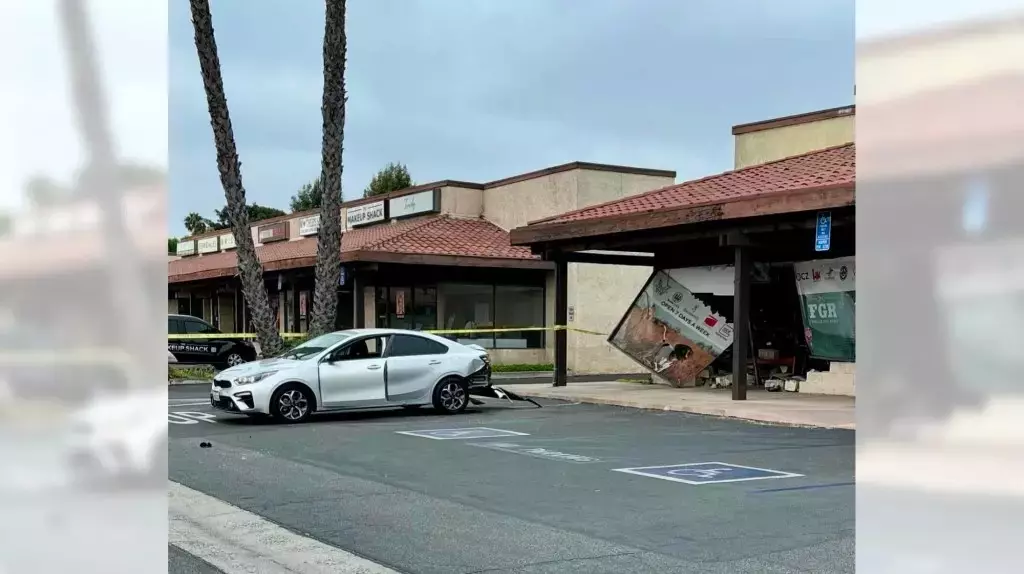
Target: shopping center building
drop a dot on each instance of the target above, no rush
(760, 257)
(435, 256)
(573, 245)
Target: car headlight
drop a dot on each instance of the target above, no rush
(250, 379)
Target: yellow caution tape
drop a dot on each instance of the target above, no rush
(432, 331)
(198, 336)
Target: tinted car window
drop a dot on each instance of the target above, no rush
(411, 346)
(197, 327)
(174, 326)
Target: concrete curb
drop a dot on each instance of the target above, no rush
(695, 410)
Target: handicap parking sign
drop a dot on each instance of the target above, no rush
(707, 472)
(463, 433)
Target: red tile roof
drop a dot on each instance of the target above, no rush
(443, 235)
(431, 235)
(827, 167)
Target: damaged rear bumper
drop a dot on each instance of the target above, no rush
(493, 392)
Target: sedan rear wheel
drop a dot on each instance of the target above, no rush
(451, 396)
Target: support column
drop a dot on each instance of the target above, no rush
(239, 326)
(561, 319)
(358, 306)
(296, 325)
(741, 323)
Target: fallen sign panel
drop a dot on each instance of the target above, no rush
(463, 433)
(707, 472)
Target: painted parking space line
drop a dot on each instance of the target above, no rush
(462, 433)
(190, 418)
(192, 403)
(697, 473)
(805, 487)
(536, 452)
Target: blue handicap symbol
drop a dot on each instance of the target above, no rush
(707, 472)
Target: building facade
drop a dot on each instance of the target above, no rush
(434, 256)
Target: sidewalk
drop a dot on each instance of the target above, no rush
(776, 408)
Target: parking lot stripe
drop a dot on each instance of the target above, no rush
(235, 540)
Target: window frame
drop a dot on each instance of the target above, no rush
(208, 328)
(385, 343)
(397, 336)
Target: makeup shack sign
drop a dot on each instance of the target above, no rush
(365, 214)
(828, 300)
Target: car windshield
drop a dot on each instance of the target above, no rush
(315, 345)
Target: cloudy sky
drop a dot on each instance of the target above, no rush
(479, 90)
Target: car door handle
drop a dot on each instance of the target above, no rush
(373, 367)
(434, 363)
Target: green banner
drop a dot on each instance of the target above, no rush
(828, 299)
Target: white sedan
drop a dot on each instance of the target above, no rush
(356, 369)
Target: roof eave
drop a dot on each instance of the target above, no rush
(776, 203)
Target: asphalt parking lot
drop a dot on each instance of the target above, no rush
(542, 490)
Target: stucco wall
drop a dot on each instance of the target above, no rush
(599, 294)
(772, 144)
(516, 204)
(462, 201)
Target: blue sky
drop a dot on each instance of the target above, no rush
(479, 90)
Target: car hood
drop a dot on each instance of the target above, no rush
(254, 367)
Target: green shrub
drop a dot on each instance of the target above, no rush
(523, 368)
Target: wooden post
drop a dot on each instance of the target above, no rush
(296, 322)
(358, 308)
(561, 318)
(740, 322)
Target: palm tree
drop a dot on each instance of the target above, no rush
(328, 255)
(249, 268)
(100, 180)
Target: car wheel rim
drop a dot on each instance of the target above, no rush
(235, 359)
(293, 405)
(453, 396)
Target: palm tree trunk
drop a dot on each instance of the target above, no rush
(99, 181)
(328, 255)
(249, 268)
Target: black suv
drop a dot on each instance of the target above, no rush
(221, 353)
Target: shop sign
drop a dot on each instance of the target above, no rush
(273, 232)
(668, 330)
(365, 214)
(823, 232)
(207, 245)
(186, 248)
(227, 241)
(400, 304)
(309, 225)
(828, 302)
(414, 203)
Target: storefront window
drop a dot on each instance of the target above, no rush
(467, 306)
(400, 308)
(424, 308)
(518, 307)
(483, 306)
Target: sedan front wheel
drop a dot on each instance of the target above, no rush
(451, 396)
(291, 404)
